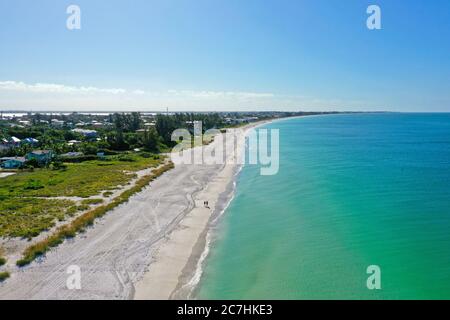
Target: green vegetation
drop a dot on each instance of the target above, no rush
(82, 207)
(26, 209)
(28, 217)
(87, 219)
(79, 179)
(4, 275)
(113, 133)
(2, 260)
(92, 201)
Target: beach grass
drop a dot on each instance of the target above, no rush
(87, 219)
(28, 217)
(26, 204)
(2, 259)
(107, 194)
(78, 180)
(91, 201)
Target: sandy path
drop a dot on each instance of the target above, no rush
(133, 238)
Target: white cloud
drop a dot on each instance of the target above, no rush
(54, 88)
(65, 89)
(50, 96)
(138, 92)
(220, 94)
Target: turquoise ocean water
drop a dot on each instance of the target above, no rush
(352, 191)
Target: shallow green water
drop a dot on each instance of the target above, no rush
(352, 191)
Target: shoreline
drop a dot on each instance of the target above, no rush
(132, 242)
(190, 278)
(178, 264)
(185, 273)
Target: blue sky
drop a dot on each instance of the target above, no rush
(225, 55)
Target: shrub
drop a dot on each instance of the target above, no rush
(126, 158)
(4, 275)
(145, 155)
(33, 185)
(91, 201)
(108, 152)
(72, 210)
(2, 261)
(80, 158)
(82, 207)
(58, 165)
(33, 163)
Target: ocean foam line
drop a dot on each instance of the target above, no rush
(193, 283)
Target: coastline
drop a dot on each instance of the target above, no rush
(190, 277)
(153, 286)
(157, 238)
(177, 267)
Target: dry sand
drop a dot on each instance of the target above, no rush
(147, 248)
(175, 262)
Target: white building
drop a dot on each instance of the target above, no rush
(57, 123)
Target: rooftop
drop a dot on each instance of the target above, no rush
(40, 152)
(21, 159)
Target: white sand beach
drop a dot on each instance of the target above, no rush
(177, 257)
(147, 248)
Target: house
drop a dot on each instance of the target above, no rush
(73, 142)
(12, 162)
(14, 125)
(42, 156)
(25, 122)
(9, 143)
(90, 134)
(14, 141)
(97, 124)
(4, 145)
(57, 123)
(30, 141)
